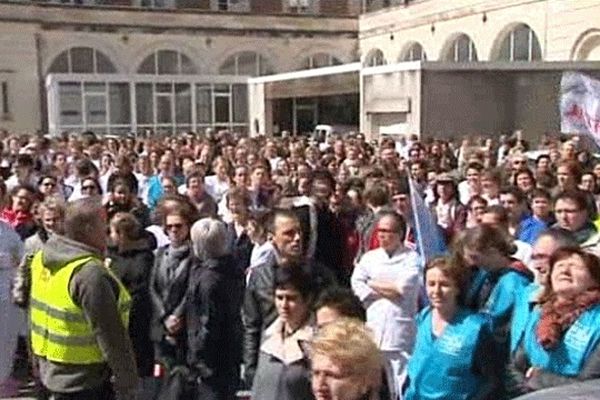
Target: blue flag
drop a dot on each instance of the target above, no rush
(430, 241)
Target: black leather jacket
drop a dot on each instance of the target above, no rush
(258, 310)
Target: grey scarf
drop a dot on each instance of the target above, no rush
(172, 260)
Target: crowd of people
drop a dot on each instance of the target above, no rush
(199, 265)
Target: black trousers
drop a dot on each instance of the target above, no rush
(104, 392)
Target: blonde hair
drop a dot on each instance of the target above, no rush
(53, 203)
(348, 343)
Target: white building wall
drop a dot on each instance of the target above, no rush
(392, 99)
(562, 26)
(18, 68)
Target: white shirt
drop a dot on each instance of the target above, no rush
(491, 202)
(464, 192)
(143, 186)
(443, 212)
(523, 252)
(223, 211)
(13, 181)
(273, 162)
(162, 239)
(392, 322)
(104, 181)
(215, 187)
(76, 193)
(502, 154)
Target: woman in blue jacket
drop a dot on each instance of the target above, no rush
(453, 355)
(497, 280)
(562, 336)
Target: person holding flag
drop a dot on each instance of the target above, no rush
(422, 232)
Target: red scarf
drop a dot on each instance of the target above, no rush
(15, 218)
(559, 314)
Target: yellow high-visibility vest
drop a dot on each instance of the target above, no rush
(59, 329)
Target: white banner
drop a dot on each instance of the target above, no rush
(580, 105)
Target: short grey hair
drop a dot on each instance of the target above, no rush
(209, 238)
(562, 237)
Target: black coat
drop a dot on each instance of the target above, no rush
(168, 295)
(327, 236)
(214, 325)
(133, 267)
(329, 249)
(241, 249)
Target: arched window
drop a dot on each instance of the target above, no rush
(414, 52)
(82, 60)
(587, 46)
(520, 44)
(246, 63)
(320, 60)
(375, 58)
(167, 62)
(462, 49)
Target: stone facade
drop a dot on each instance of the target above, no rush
(32, 36)
(566, 29)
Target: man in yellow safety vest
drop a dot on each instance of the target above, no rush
(79, 313)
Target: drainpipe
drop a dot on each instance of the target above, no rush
(41, 84)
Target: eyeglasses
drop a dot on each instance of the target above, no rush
(173, 226)
(88, 187)
(49, 184)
